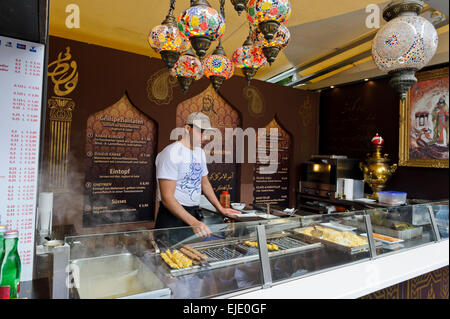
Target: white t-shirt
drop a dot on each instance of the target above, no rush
(179, 163)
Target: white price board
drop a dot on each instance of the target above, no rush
(21, 72)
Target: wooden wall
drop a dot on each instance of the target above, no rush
(351, 115)
(105, 75)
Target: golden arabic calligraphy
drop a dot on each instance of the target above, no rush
(64, 74)
(221, 176)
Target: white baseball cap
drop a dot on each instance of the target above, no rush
(199, 120)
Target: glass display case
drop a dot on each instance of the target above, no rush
(240, 256)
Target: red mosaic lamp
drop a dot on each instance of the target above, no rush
(167, 41)
(187, 70)
(249, 58)
(273, 47)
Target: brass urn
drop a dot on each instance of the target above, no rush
(377, 170)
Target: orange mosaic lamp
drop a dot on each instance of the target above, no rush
(218, 67)
(249, 58)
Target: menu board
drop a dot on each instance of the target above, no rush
(273, 188)
(120, 152)
(21, 72)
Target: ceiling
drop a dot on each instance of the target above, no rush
(330, 43)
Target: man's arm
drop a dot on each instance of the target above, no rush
(208, 191)
(167, 188)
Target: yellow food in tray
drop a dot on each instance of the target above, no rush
(255, 244)
(335, 236)
(251, 243)
(176, 259)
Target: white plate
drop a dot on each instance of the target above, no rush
(365, 200)
(338, 226)
(385, 241)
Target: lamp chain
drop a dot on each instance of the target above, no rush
(222, 8)
(222, 11)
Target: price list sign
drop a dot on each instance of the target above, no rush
(21, 72)
(120, 152)
(274, 188)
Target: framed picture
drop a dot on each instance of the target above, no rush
(424, 118)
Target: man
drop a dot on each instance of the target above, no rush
(182, 176)
(440, 123)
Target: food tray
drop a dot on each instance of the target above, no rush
(117, 276)
(400, 234)
(343, 248)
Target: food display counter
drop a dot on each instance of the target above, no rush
(247, 259)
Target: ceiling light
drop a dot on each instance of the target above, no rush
(405, 44)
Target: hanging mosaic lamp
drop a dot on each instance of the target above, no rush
(239, 5)
(218, 67)
(167, 41)
(201, 24)
(187, 69)
(249, 58)
(268, 15)
(272, 48)
(405, 44)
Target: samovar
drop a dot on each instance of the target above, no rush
(377, 170)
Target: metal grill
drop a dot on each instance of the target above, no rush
(286, 242)
(283, 243)
(221, 254)
(249, 251)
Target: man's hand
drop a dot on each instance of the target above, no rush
(229, 212)
(201, 229)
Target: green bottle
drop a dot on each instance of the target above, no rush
(10, 268)
(2, 244)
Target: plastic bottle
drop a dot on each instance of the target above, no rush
(10, 268)
(225, 199)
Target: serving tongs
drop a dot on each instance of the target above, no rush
(155, 246)
(316, 232)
